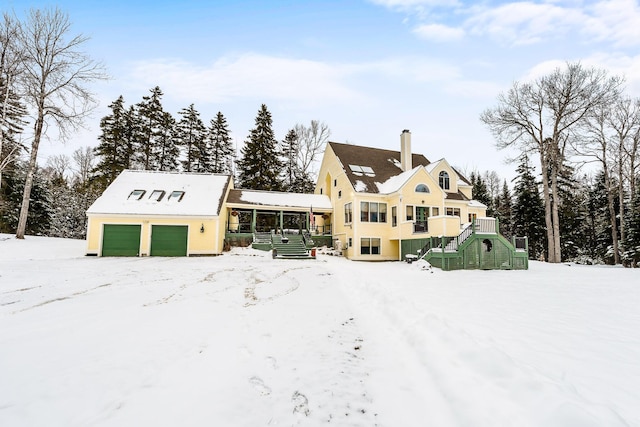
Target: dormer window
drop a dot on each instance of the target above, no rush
(422, 188)
(136, 195)
(157, 195)
(176, 196)
(443, 180)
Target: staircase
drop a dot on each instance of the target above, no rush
(290, 246)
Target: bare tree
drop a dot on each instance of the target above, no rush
(11, 110)
(55, 78)
(83, 160)
(58, 166)
(542, 117)
(311, 142)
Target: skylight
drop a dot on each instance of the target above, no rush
(176, 196)
(136, 195)
(361, 170)
(157, 195)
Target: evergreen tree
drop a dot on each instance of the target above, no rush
(631, 244)
(39, 212)
(12, 112)
(572, 214)
(167, 150)
(289, 155)
(192, 134)
(503, 211)
(480, 192)
(527, 212)
(598, 219)
(149, 118)
(221, 145)
(260, 166)
(116, 143)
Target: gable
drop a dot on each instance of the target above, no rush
(366, 168)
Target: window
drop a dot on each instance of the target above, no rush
(409, 213)
(435, 211)
(394, 216)
(373, 212)
(350, 242)
(321, 191)
(369, 246)
(339, 194)
(156, 195)
(472, 217)
(335, 182)
(348, 213)
(361, 170)
(443, 180)
(421, 188)
(176, 196)
(136, 195)
(453, 211)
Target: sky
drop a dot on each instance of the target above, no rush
(367, 68)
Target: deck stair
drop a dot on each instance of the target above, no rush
(290, 246)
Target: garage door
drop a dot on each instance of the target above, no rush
(120, 240)
(169, 240)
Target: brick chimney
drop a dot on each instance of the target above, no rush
(405, 150)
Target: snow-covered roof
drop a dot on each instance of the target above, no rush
(275, 198)
(163, 193)
(476, 204)
(394, 183)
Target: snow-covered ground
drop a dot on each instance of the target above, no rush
(245, 340)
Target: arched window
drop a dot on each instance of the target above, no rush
(443, 180)
(421, 188)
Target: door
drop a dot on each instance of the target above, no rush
(422, 215)
(120, 240)
(169, 240)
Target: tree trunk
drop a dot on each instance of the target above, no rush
(547, 207)
(28, 183)
(554, 213)
(612, 214)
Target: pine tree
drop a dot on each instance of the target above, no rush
(116, 143)
(289, 155)
(191, 134)
(149, 117)
(221, 145)
(167, 150)
(598, 220)
(503, 211)
(527, 212)
(572, 214)
(260, 166)
(480, 192)
(39, 212)
(631, 244)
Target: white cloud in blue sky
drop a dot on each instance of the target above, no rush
(367, 68)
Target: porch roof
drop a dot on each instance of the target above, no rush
(301, 202)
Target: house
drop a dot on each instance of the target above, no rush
(144, 213)
(388, 205)
(370, 204)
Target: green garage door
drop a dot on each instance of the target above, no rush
(121, 240)
(169, 240)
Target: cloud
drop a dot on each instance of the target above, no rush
(247, 76)
(523, 23)
(439, 32)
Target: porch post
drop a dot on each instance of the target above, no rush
(281, 223)
(253, 221)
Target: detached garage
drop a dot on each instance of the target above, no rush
(145, 213)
